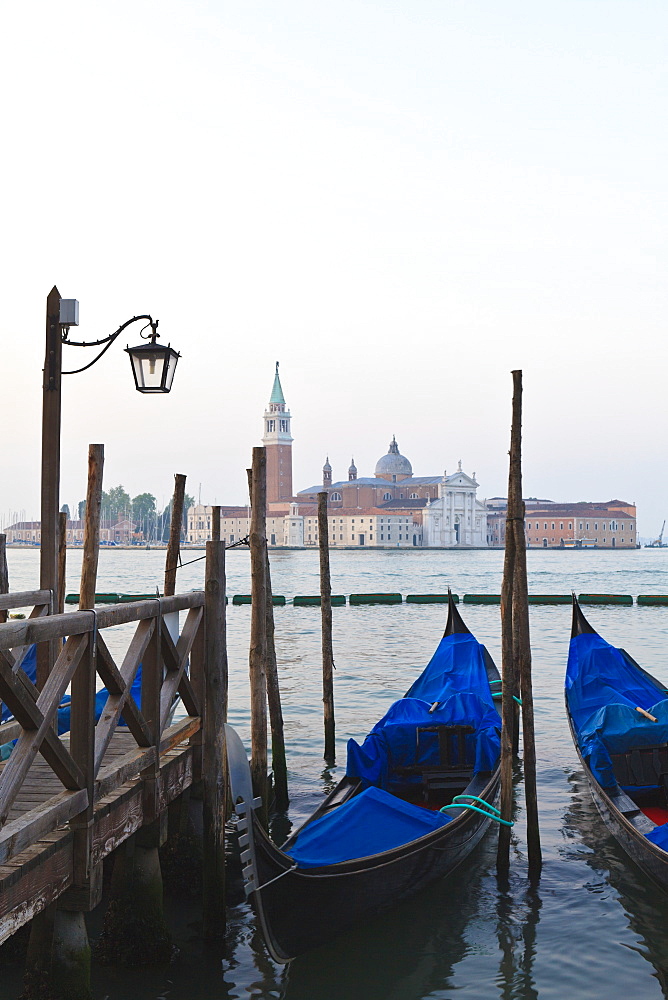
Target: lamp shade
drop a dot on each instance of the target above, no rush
(153, 366)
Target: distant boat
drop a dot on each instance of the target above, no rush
(417, 798)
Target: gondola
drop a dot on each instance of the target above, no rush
(618, 714)
(380, 835)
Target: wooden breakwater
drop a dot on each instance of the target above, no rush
(68, 802)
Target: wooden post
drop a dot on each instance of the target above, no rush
(82, 717)
(508, 662)
(258, 636)
(62, 563)
(326, 617)
(521, 633)
(48, 555)
(215, 524)
(214, 709)
(278, 761)
(4, 573)
(171, 561)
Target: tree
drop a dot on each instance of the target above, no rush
(116, 504)
(143, 506)
(82, 509)
(65, 510)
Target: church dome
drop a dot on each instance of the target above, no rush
(393, 465)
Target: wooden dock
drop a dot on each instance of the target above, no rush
(67, 802)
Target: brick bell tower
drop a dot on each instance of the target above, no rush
(278, 444)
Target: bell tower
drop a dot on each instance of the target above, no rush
(278, 444)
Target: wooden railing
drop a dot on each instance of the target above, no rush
(78, 758)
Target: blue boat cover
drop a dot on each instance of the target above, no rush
(29, 665)
(603, 689)
(455, 678)
(659, 836)
(372, 822)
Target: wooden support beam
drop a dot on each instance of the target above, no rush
(258, 636)
(24, 599)
(326, 620)
(173, 547)
(214, 707)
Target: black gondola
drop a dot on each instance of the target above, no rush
(381, 835)
(618, 714)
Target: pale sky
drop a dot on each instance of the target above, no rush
(401, 202)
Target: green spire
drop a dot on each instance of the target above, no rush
(277, 392)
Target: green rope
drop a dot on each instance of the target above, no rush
(476, 798)
(483, 812)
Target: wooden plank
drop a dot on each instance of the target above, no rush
(19, 653)
(24, 599)
(16, 836)
(62, 563)
(129, 765)
(4, 572)
(18, 633)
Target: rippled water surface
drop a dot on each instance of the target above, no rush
(594, 926)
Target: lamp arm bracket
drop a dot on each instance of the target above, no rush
(108, 341)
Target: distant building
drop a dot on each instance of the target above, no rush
(550, 525)
(30, 533)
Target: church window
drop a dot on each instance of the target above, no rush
(553, 526)
(545, 526)
(335, 496)
(596, 526)
(271, 426)
(561, 525)
(413, 496)
(387, 496)
(570, 525)
(382, 538)
(340, 538)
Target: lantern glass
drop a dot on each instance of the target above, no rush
(153, 366)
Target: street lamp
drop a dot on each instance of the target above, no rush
(153, 368)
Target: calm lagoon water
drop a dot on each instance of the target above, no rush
(594, 926)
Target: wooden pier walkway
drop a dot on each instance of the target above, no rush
(67, 802)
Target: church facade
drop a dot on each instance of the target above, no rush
(390, 509)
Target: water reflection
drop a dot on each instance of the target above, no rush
(409, 952)
(644, 903)
(517, 916)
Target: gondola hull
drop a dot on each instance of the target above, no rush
(304, 909)
(650, 858)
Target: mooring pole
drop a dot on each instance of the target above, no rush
(509, 664)
(174, 544)
(215, 524)
(258, 637)
(521, 632)
(278, 761)
(326, 618)
(214, 709)
(62, 562)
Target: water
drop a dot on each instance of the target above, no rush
(595, 926)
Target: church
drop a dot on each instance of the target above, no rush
(393, 508)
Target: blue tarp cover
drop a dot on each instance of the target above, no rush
(29, 665)
(372, 822)
(659, 836)
(603, 689)
(456, 678)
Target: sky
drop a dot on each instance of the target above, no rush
(400, 202)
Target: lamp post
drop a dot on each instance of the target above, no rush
(153, 369)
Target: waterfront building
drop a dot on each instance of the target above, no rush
(30, 533)
(583, 525)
